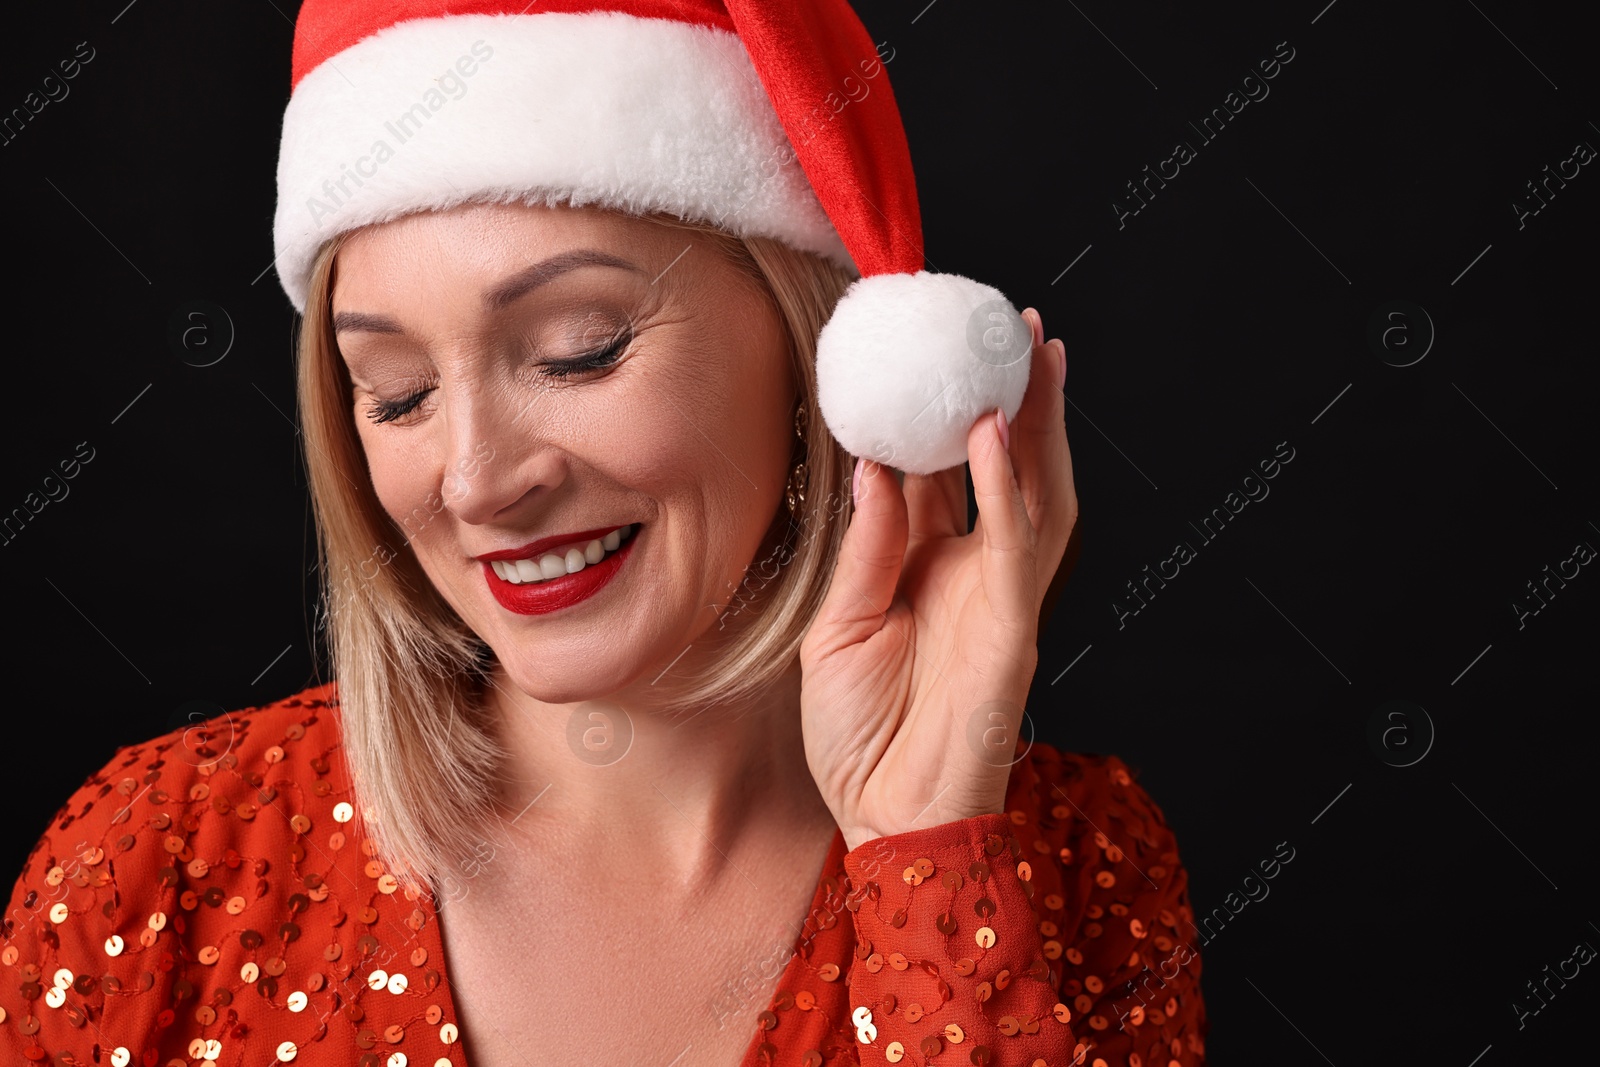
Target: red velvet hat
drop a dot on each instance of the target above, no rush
(699, 108)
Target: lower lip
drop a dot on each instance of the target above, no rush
(541, 598)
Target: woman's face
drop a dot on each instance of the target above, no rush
(529, 381)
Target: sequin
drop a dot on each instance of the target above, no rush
(880, 965)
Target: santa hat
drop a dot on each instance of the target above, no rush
(763, 117)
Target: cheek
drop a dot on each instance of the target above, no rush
(403, 476)
(714, 408)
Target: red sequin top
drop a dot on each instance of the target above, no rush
(190, 906)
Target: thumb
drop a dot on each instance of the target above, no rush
(870, 560)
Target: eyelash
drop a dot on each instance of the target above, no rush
(388, 410)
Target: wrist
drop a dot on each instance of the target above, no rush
(868, 845)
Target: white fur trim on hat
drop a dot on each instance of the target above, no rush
(908, 363)
(628, 113)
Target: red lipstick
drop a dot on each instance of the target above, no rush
(541, 598)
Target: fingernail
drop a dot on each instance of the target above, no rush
(1061, 363)
(1005, 432)
(855, 479)
(1037, 322)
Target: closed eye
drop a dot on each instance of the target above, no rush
(380, 410)
(388, 410)
(597, 360)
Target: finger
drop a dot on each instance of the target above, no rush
(937, 503)
(1042, 458)
(1007, 539)
(870, 560)
(1038, 434)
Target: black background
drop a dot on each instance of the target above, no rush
(1219, 321)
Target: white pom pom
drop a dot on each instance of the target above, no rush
(908, 363)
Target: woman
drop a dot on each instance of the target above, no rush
(662, 728)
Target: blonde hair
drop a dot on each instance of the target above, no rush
(421, 748)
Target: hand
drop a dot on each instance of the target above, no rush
(926, 627)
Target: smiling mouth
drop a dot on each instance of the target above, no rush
(560, 562)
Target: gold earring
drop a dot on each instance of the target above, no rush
(795, 492)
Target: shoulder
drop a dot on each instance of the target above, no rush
(162, 856)
(212, 763)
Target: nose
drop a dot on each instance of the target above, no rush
(497, 457)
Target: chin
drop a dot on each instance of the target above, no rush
(576, 678)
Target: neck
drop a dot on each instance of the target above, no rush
(614, 781)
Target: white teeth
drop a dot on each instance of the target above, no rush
(553, 565)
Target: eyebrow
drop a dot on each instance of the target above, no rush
(508, 291)
(530, 278)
